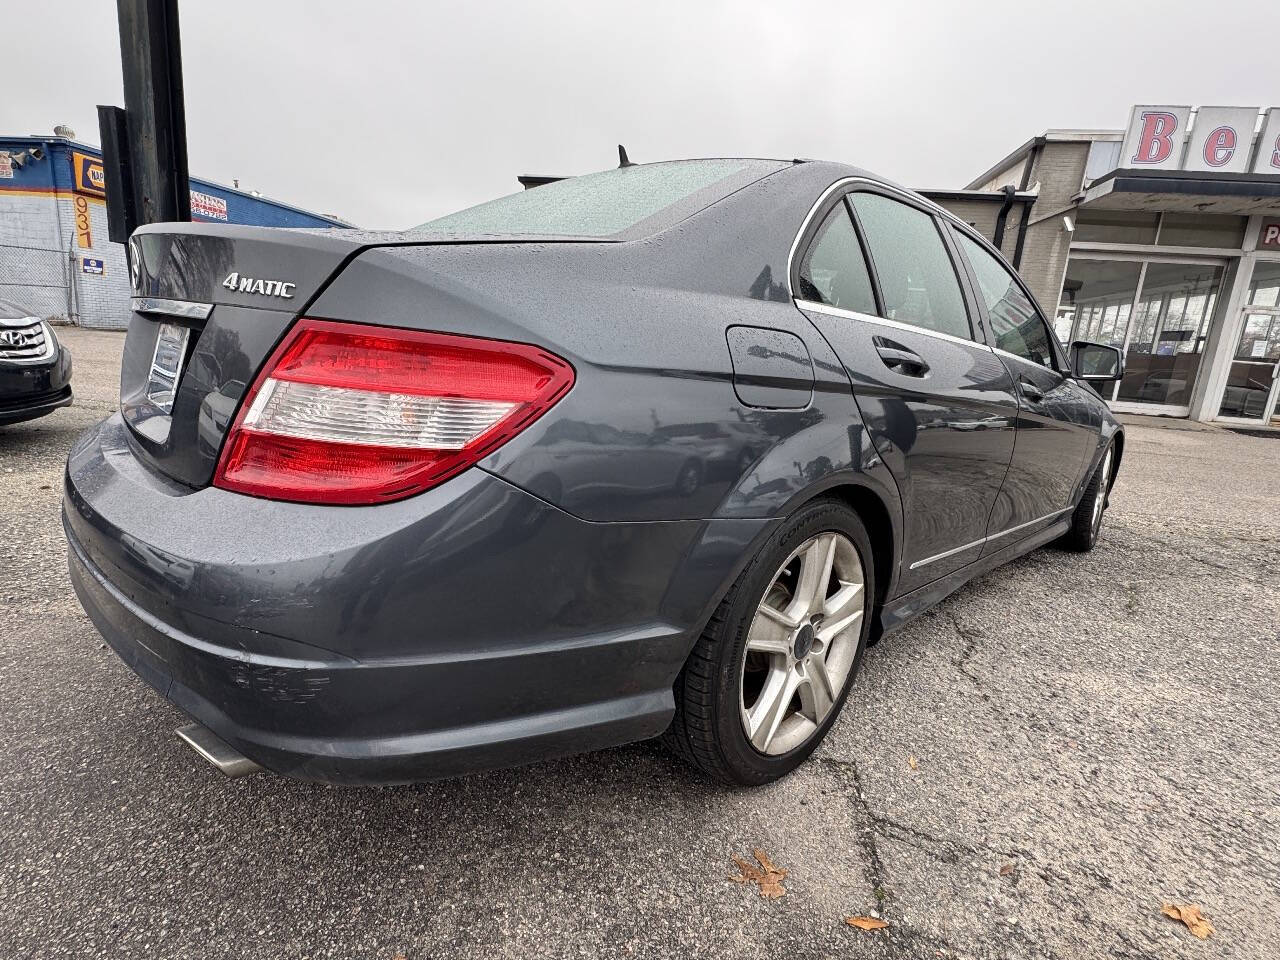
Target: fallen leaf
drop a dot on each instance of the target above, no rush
(911, 762)
(1190, 916)
(1006, 869)
(767, 876)
(866, 923)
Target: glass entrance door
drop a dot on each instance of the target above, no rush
(1255, 369)
(1252, 387)
(1174, 312)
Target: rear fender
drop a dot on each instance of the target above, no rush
(831, 458)
(722, 549)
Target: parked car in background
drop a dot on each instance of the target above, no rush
(654, 450)
(35, 370)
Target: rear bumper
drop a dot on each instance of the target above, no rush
(28, 391)
(470, 627)
(264, 707)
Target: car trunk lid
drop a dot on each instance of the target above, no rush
(210, 303)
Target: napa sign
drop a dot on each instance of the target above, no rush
(1207, 139)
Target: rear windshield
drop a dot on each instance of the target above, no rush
(613, 204)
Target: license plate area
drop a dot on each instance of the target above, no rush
(167, 361)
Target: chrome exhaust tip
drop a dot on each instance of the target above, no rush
(230, 761)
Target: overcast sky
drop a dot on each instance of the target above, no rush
(389, 114)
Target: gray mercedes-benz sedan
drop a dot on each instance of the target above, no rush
(654, 450)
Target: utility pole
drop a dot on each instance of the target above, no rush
(145, 151)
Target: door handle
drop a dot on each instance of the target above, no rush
(1030, 390)
(900, 359)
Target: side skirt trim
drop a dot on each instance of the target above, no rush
(900, 611)
(985, 540)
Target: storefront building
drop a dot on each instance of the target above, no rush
(1162, 239)
(55, 259)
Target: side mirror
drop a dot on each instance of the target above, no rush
(1096, 362)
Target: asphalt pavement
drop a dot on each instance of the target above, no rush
(1030, 770)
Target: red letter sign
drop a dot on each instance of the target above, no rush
(1156, 141)
(1220, 147)
(1268, 159)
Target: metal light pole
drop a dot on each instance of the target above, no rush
(145, 145)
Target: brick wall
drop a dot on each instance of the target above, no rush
(1059, 169)
(1044, 259)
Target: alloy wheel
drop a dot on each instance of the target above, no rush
(802, 643)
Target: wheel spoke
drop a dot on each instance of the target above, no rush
(780, 617)
(770, 631)
(1100, 495)
(816, 693)
(841, 610)
(815, 574)
(770, 707)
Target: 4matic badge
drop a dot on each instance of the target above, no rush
(270, 288)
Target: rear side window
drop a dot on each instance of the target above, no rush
(917, 279)
(1016, 324)
(614, 204)
(833, 270)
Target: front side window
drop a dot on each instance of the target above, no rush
(833, 270)
(917, 279)
(1016, 324)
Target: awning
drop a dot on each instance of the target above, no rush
(1194, 192)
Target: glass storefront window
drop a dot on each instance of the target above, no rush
(1202, 230)
(1264, 288)
(1163, 333)
(1115, 226)
(1062, 324)
(1144, 329)
(1251, 388)
(1168, 229)
(1176, 310)
(1097, 299)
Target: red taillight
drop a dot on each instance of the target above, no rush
(346, 413)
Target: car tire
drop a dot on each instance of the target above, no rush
(1086, 521)
(740, 649)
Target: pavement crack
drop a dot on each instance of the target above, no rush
(867, 835)
(970, 639)
(945, 849)
(905, 939)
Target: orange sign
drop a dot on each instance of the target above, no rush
(90, 177)
(84, 228)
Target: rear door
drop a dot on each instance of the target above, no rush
(879, 280)
(1058, 420)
